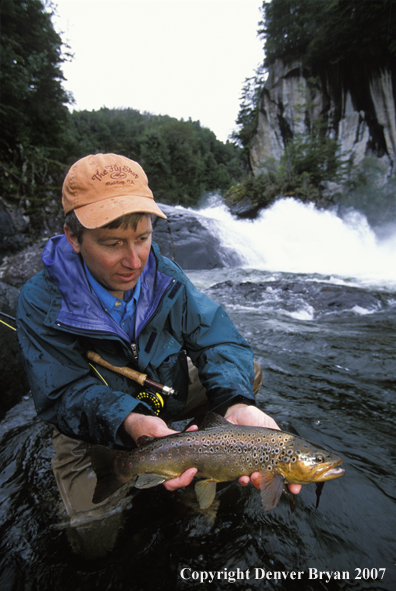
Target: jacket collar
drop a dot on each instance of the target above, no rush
(80, 308)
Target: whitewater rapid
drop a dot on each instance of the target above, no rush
(294, 237)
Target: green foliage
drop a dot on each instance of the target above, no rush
(329, 30)
(289, 26)
(106, 130)
(248, 111)
(40, 138)
(32, 97)
(342, 38)
(311, 159)
(182, 160)
(33, 112)
(259, 191)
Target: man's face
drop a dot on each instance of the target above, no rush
(117, 257)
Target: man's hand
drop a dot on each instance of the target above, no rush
(242, 414)
(184, 480)
(137, 425)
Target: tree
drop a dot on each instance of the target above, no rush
(182, 160)
(288, 26)
(248, 111)
(329, 30)
(33, 111)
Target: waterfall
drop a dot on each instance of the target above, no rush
(294, 237)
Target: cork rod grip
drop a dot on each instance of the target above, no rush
(132, 374)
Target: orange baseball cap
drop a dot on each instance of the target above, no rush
(103, 187)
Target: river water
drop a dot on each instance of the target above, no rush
(316, 298)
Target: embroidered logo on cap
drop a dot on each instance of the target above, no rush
(116, 172)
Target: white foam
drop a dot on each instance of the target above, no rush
(295, 237)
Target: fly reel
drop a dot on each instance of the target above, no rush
(153, 399)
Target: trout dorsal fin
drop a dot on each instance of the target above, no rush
(212, 419)
(143, 439)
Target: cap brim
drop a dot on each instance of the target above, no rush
(103, 212)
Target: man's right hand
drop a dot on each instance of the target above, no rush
(137, 425)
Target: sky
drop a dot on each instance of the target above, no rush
(183, 58)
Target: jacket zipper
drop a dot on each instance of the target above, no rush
(134, 345)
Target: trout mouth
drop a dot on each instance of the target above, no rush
(333, 473)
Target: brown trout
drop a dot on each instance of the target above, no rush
(221, 452)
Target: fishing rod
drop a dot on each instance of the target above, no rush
(152, 396)
(133, 374)
(152, 392)
(9, 318)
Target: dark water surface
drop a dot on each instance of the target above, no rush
(328, 355)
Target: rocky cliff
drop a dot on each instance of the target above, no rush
(358, 105)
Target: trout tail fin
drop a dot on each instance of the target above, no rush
(108, 481)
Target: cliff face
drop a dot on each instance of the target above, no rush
(358, 105)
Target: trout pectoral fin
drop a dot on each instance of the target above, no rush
(271, 487)
(149, 480)
(205, 491)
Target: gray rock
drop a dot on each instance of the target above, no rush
(184, 238)
(11, 233)
(290, 102)
(324, 298)
(245, 209)
(18, 268)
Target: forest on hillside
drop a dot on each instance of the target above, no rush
(41, 138)
(184, 161)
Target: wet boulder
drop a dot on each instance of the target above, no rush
(12, 228)
(186, 238)
(14, 384)
(18, 268)
(324, 298)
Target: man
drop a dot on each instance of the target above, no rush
(106, 288)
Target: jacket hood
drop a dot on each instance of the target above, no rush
(80, 306)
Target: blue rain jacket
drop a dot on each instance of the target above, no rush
(60, 318)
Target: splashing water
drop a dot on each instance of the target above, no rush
(295, 237)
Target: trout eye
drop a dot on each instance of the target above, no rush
(319, 458)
